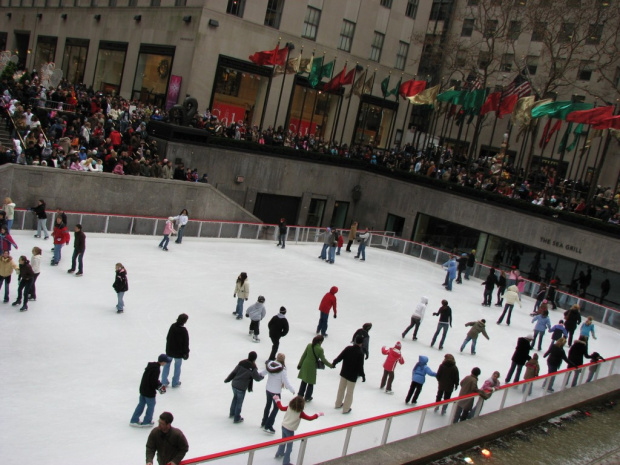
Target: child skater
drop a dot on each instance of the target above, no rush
(420, 370)
(292, 418)
(35, 263)
(393, 358)
(532, 368)
(168, 229)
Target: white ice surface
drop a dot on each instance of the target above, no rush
(72, 365)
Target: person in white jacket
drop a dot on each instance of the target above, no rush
(416, 318)
(511, 296)
(255, 313)
(277, 377)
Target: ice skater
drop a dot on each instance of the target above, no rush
(168, 229)
(519, 358)
(392, 360)
(416, 318)
(450, 266)
(543, 323)
(352, 358)
(447, 381)
(6, 240)
(242, 293)
(308, 366)
(511, 296)
(293, 416)
(242, 377)
(177, 347)
(39, 210)
(35, 263)
(278, 328)
(469, 385)
(181, 221)
(7, 266)
(277, 378)
(121, 285)
(255, 313)
(79, 247)
(418, 377)
(363, 239)
(25, 278)
(477, 328)
(363, 333)
(282, 230)
(169, 443)
(61, 237)
(328, 302)
(149, 385)
(445, 322)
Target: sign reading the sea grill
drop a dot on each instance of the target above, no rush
(560, 244)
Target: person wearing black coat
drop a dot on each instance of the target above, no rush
(489, 285)
(572, 319)
(501, 287)
(177, 347)
(282, 233)
(352, 358)
(121, 285)
(242, 377)
(39, 210)
(149, 385)
(555, 355)
(278, 328)
(576, 355)
(447, 381)
(26, 275)
(519, 358)
(363, 333)
(79, 247)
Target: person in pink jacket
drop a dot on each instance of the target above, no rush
(393, 358)
(168, 229)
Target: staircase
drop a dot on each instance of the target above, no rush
(5, 137)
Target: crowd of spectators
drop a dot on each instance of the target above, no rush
(105, 133)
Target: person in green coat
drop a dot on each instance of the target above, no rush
(307, 367)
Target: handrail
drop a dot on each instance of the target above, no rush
(15, 129)
(353, 424)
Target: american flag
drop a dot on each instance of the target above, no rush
(520, 86)
(473, 82)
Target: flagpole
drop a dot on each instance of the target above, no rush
(289, 46)
(335, 125)
(374, 75)
(303, 101)
(262, 116)
(598, 166)
(583, 149)
(346, 115)
(405, 120)
(382, 106)
(318, 92)
(395, 115)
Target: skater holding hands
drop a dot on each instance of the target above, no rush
(292, 418)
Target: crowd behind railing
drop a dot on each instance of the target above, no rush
(74, 127)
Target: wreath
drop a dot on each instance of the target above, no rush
(163, 69)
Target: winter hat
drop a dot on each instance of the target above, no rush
(171, 218)
(367, 326)
(449, 357)
(283, 310)
(397, 345)
(261, 299)
(164, 358)
(545, 301)
(476, 371)
(252, 356)
(280, 358)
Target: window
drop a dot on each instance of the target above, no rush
(386, 3)
(468, 28)
(585, 70)
(566, 32)
(531, 62)
(595, 32)
(484, 60)
(273, 15)
(311, 23)
(538, 34)
(412, 8)
(490, 28)
(440, 10)
(461, 59)
(46, 50)
(180, 2)
(377, 46)
(507, 62)
(235, 7)
(401, 55)
(520, 2)
(514, 30)
(496, 2)
(155, 2)
(346, 35)
(109, 67)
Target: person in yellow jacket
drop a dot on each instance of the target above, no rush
(7, 266)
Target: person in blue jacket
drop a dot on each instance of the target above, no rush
(542, 323)
(420, 370)
(450, 266)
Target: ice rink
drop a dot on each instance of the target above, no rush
(73, 365)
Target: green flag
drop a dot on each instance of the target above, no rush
(455, 97)
(564, 141)
(559, 110)
(384, 86)
(394, 91)
(315, 72)
(577, 132)
(328, 69)
(474, 101)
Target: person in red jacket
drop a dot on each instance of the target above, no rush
(328, 302)
(340, 243)
(61, 236)
(393, 357)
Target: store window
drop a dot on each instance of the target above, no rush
(239, 91)
(45, 51)
(74, 59)
(110, 66)
(310, 109)
(153, 74)
(373, 122)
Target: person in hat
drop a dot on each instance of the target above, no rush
(328, 302)
(168, 442)
(278, 328)
(363, 333)
(149, 385)
(168, 229)
(393, 358)
(242, 377)
(277, 378)
(352, 358)
(519, 358)
(255, 313)
(418, 377)
(177, 347)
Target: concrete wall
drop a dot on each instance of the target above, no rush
(110, 193)
(380, 196)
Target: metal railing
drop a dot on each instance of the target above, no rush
(319, 446)
(154, 226)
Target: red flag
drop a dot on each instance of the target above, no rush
(336, 82)
(507, 104)
(411, 88)
(608, 123)
(348, 79)
(270, 57)
(592, 116)
(491, 104)
(548, 132)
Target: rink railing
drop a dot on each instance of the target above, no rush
(153, 226)
(318, 446)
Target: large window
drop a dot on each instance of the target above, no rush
(566, 32)
(490, 28)
(538, 34)
(468, 27)
(508, 60)
(153, 74)
(74, 59)
(514, 30)
(273, 15)
(585, 70)
(377, 46)
(386, 3)
(310, 111)
(235, 7)
(110, 65)
(346, 35)
(45, 52)
(311, 23)
(595, 32)
(401, 55)
(373, 124)
(412, 8)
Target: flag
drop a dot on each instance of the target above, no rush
(474, 100)
(491, 103)
(453, 96)
(608, 123)
(394, 91)
(276, 56)
(426, 97)
(520, 86)
(507, 105)
(328, 69)
(521, 115)
(384, 86)
(564, 141)
(336, 82)
(348, 79)
(577, 132)
(548, 131)
(474, 81)
(358, 87)
(315, 71)
(560, 109)
(305, 65)
(292, 66)
(411, 88)
(590, 116)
